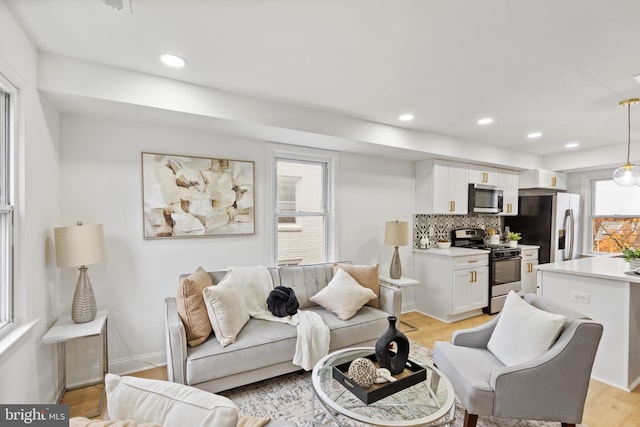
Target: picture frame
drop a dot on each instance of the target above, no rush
(191, 196)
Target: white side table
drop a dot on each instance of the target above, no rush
(65, 329)
(405, 284)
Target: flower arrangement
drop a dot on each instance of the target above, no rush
(514, 236)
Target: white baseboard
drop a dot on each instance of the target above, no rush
(93, 374)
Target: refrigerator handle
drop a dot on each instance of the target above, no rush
(571, 231)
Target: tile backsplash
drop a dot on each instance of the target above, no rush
(443, 224)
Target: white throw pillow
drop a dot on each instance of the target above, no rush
(343, 295)
(166, 403)
(523, 332)
(227, 312)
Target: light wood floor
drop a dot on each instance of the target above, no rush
(606, 406)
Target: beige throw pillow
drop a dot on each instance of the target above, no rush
(227, 312)
(191, 308)
(365, 275)
(343, 296)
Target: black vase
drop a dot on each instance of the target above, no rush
(394, 361)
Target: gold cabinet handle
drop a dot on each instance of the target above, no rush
(485, 177)
(553, 181)
(508, 207)
(473, 260)
(528, 254)
(530, 267)
(452, 206)
(474, 277)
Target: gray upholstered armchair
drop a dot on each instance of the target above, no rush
(552, 387)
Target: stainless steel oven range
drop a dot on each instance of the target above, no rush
(504, 265)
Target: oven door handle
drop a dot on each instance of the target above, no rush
(507, 258)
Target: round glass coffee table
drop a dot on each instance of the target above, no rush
(428, 403)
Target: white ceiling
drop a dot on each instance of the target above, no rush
(558, 67)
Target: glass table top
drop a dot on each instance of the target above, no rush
(430, 402)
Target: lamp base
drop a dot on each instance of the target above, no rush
(395, 271)
(84, 308)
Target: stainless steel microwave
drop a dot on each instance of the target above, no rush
(485, 198)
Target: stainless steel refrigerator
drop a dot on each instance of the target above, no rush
(550, 221)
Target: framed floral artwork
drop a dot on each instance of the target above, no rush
(186, 196)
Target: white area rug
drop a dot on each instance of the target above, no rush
(288, 397)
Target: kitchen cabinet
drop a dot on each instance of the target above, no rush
(482, 175)
(441, 187)
(542, 178)
(454, 283)
(528, 273)
(508, 180)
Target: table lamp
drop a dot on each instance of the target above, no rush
(396, 233)
(79, 246)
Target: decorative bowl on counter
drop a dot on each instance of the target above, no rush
(443, 245)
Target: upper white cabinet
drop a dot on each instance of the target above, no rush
(483, 175)
(508, 180)
(441, 187)
(542, 178)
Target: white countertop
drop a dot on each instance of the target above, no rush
(598, 266)
(451, 252)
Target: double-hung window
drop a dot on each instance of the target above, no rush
(6, 206)
(301, 217)
(614, 216)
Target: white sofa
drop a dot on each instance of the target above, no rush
(265, 349)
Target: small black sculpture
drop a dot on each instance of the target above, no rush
(393, 361)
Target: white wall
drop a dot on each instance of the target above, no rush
(101, 183)
(27, 367)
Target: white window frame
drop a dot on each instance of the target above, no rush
(7, 203)
(302, 154)
(588, 188)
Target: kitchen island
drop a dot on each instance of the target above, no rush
(601, 288)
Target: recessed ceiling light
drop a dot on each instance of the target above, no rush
(637, 78)
(173, 61)
(485, 121)
(534, 135)
(572, 145)
(406, 117)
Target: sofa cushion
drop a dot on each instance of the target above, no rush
(468, 369)
(166, 403)
(227, 311)
(344, 296)
(523, 332)
(365, 275)
(191, 307)
(260, 343)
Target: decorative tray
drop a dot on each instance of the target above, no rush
(412, 375)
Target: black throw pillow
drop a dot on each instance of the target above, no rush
(282, 302)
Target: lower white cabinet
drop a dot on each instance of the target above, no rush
(528, 273)
(454, 283)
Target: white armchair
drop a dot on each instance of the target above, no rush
(551, 387)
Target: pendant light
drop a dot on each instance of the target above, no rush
(628, 174)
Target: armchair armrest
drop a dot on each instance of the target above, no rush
(477, 337)
(559, 379)
(391, 299)
(176, 342)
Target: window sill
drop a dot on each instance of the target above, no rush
(15, 335)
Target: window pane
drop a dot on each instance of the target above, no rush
(303, 183)
(304, 244)
(612, 199)
(611, 235)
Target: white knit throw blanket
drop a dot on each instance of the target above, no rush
(255, 283)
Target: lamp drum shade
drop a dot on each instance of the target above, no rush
(79, 245)
(396, 233)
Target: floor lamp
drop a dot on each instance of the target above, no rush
(396, 233)
(78, 246)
